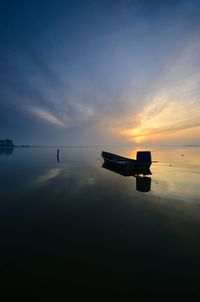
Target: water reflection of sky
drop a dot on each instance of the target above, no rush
(175, 172)
(63, 210)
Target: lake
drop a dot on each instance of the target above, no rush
(76, 226)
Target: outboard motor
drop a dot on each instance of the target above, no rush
(144, 157)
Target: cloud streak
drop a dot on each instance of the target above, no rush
(135, 77)
(45, 115)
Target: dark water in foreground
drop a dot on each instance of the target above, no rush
(78, 227)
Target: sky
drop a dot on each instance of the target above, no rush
(100, 72)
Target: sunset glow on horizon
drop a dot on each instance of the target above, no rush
(174, 122)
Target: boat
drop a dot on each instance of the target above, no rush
(143, 160)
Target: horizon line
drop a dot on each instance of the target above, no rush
(87, 146)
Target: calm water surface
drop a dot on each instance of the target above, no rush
(76, 226)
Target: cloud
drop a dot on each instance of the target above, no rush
(70, 115)
(172, 107)
(138, 76)
(46, 116)
(164, 117)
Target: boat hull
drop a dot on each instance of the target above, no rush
(123, 162)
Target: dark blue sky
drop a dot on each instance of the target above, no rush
(99, 72)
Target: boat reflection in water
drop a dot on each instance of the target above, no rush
(143, 182)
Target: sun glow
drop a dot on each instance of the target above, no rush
(163, 120)
(135, 135)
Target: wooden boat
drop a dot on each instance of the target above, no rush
(143, 160)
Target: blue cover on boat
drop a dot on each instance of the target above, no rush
(144, 156)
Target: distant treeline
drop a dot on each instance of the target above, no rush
(7, 143)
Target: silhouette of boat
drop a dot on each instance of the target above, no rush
(142, 161)
(143, 183)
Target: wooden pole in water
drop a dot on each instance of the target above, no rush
(58, 155)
